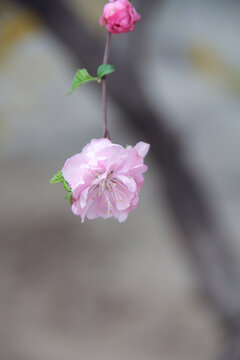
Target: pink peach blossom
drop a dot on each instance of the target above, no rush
(106, 179)
(119, 16)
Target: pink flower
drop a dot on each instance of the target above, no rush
(106, 179)
(119, 16)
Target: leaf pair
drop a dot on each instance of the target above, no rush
(82, 76)
(58, 178)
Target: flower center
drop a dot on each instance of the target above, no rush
(107, 183)
(108, 190)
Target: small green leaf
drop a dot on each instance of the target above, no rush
(82, 76)
(104, 70)
(57, 178)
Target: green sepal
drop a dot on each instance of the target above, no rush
(81, 77)
(104, 70)
(66, 186)
(57, 178)
(69, 197)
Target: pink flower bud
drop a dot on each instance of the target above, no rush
(119, 16)
(106, 179)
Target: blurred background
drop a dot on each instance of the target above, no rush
(165, 284)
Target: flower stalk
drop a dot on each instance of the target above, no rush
(104, 88)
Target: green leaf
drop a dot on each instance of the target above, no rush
(57, 178)
(82, 76)
(104, 70)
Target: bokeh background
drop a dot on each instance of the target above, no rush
(165, 284)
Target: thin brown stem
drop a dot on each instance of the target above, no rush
(104, 89)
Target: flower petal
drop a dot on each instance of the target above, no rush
(142, 148)
(73, 169)
(129, 182)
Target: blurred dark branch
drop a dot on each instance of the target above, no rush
(232, 348)
(202, 236)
